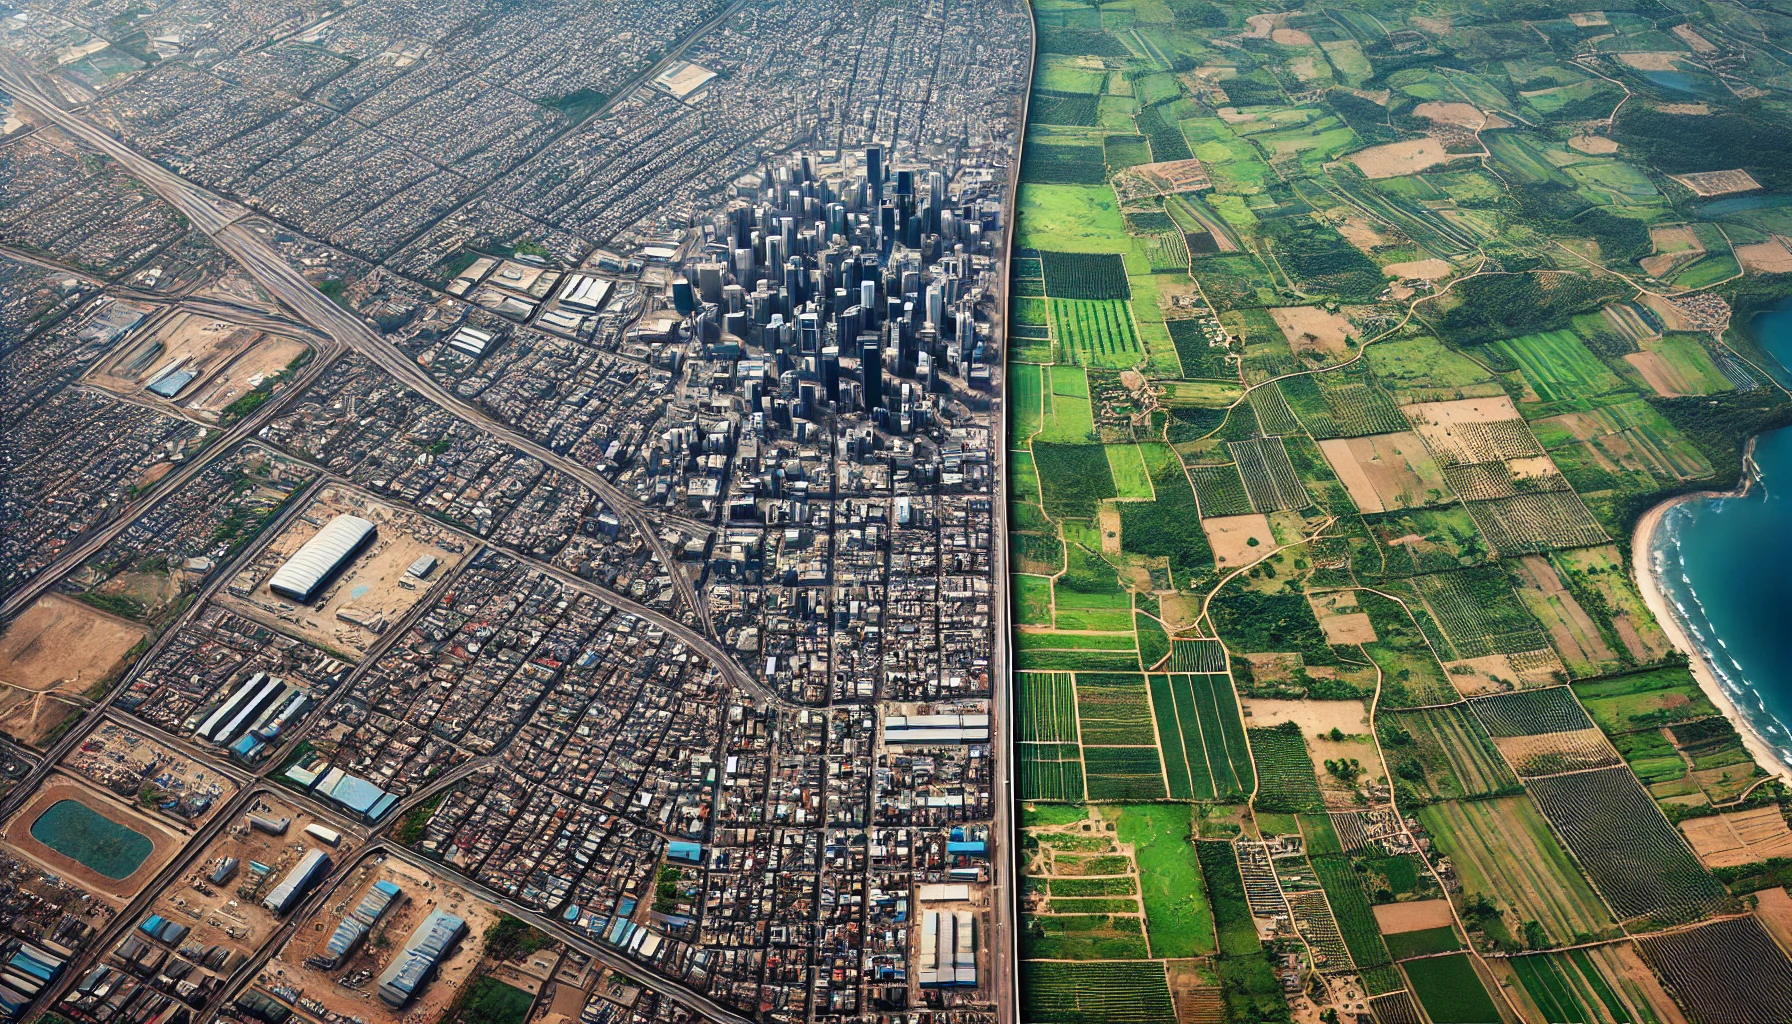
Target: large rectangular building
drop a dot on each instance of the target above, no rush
(321, 558)
(305, 875)
(427, 947)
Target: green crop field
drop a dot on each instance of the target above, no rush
(1362, 403)
(1451, 991)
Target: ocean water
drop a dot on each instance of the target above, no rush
(1726, 565)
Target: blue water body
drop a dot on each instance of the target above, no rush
(1726, 565)
(76, 830)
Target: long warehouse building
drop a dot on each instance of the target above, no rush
(321, 557)
(427, 947)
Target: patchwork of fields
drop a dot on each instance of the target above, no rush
(1335, 391)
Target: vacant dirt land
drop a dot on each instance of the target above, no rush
(1424, 270)
(369, 595)
(1386, 471)
(1595, 145)
(1466, 115)
(1741, 837)
(1395, 918)
(1231, 538)
(51, 653)
(1769, 257)
(1658, 60)
(1313, 716)
(1661, 378)
(58, 640)
(1397, 158)
(1341, 619)
(1309, 328)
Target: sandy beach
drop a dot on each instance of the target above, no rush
(1642, 542)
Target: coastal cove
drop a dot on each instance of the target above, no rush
(1716, 571)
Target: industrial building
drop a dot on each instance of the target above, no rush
(948, 948)
(252, 716)
(427, 947)
(300, 880)
(322, 557)
(357, 924)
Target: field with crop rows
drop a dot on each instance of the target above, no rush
(1478, 612)
(1285, 780)
(1572, 987)
(1096, 332)
(1114, 992)
(1197, 656)
(1531, 712)
(1269, 478)
(1451, 991)
(1084, 275)
(1503, 850)
(1639, 862)
(1350, 905)
(1530, 524)
(1726, 972)
(1202, 737)
(1458, 757)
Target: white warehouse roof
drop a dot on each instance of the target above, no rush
(319, 558)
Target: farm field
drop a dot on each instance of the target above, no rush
(1348, 347)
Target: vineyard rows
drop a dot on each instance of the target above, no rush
(1726, 972)
(1096, 992)
(1531, 524)
(1640, 864)
(1219, 490)
(1269, 478)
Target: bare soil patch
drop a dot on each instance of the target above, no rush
(1654, 60)
(1313, 716)
(1464, 115)
(1594, 145)
(1231, 538)
(1417, 916)
(1769, 257)
(1386, 471)
(1397, 158)
(1310, 328)
(1341, 619)
(1660, 377)
(54, 652)
(1739, 837)
(1424, 270)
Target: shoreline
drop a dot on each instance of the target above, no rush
(1642, 544)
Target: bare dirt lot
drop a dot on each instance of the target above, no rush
(1310, 328)
(1657, 60)
(1395, 918)
(56, 649)
(17, 836)
(1386, 471)
(1341, 619)
(1740, 837)
(1465, 115)
(1769, 257)
(1594, 145)
(1424, 270)
(1656, 372)
(369, 595)
(1397, 158)
(1231, 537)
(1313, 716)
(123, 760)
(420, 893)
